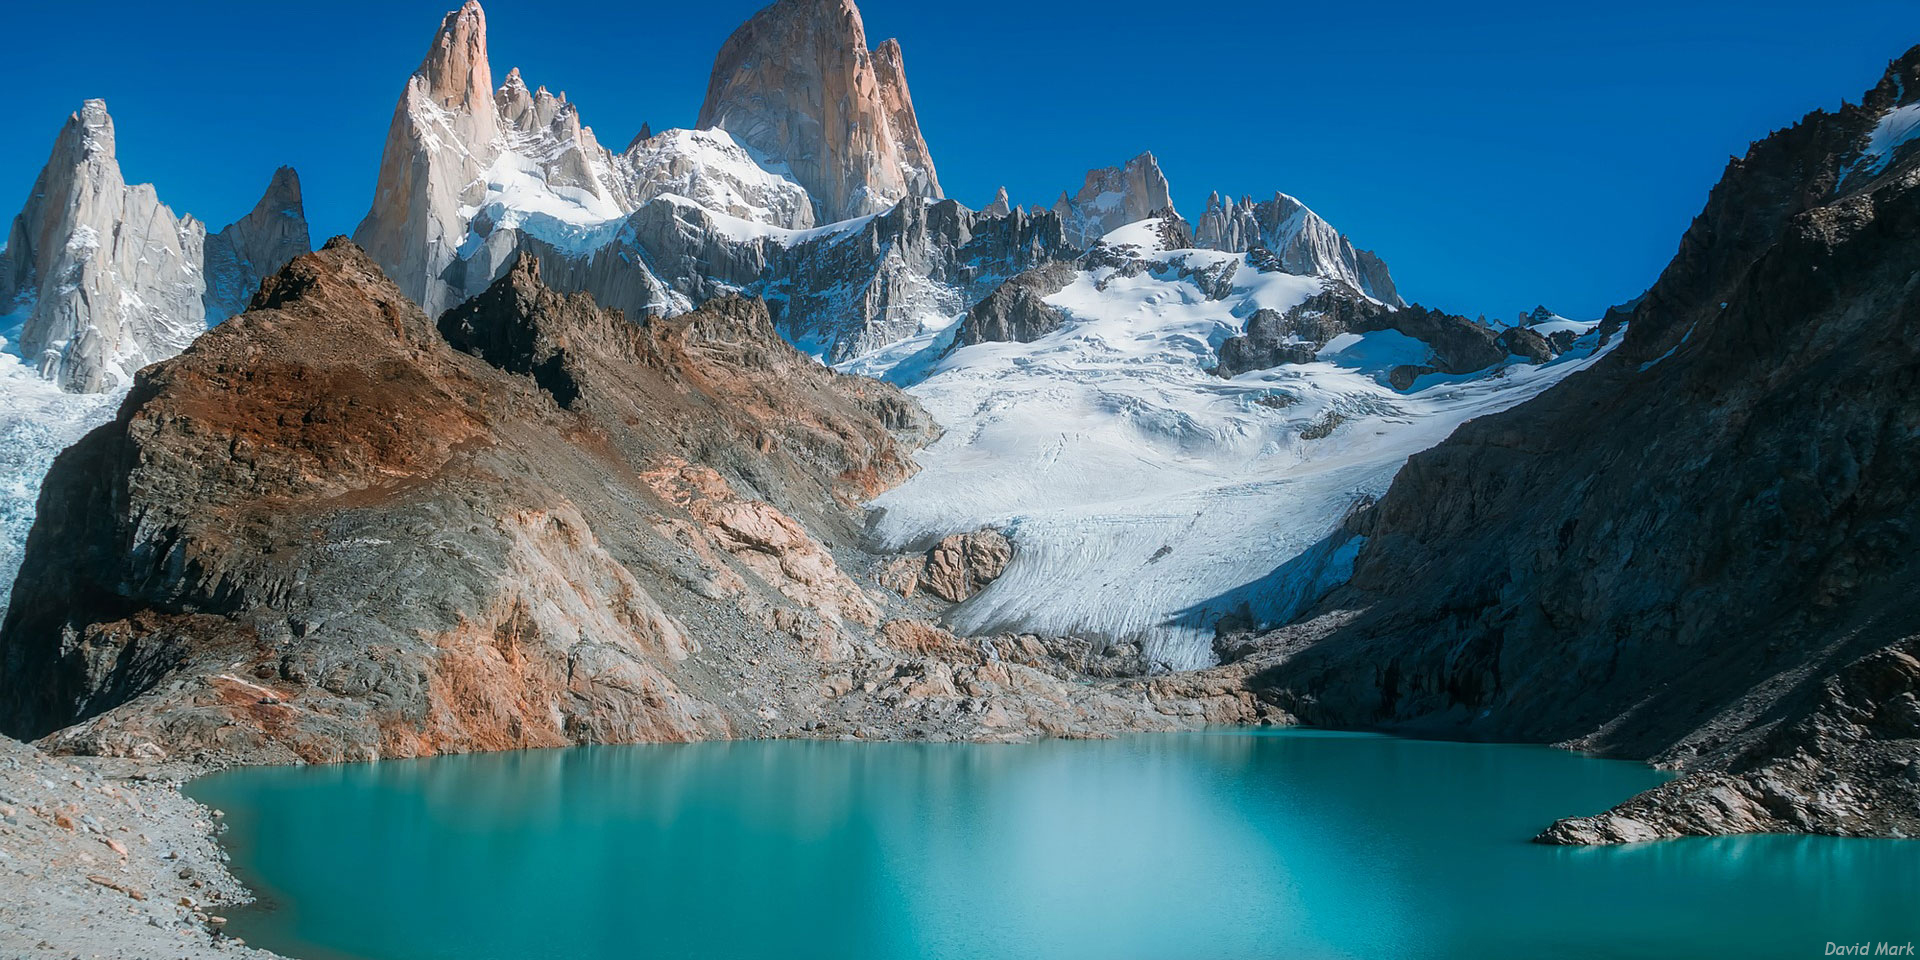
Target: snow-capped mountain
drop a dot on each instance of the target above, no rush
(1146, 496)
(468, 182)
(100, 277)
(1304, 242)
(1107, 377)
(1112, 197)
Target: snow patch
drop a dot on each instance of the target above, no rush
(1899, 127)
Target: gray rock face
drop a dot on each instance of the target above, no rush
(1113, 197)
(256, 246)
(1700, 550)
(798, 84)
(1305, 243)
(1017, 310)
(917, 262)
(105, 278)
(1522, 342)
(1000, 206)
(1459, 345)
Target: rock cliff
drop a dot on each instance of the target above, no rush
(798, 84)
(1456, 344)
(1701, 549)
(102, 277)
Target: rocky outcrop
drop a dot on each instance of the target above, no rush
(1000, 206)
(1296, 336)
(1300, 239)
(954, 569)
(334, 529)
(1561, 572)
(1846, 767)
(1113, 197)
(255, 246)
(798, 84)
(105, 277)
(961, 565)
(1527, 344)
(1459, 345)
(1017, 311)
(393, 537)
(1272, 338)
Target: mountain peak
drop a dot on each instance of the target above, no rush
(255, 247)
(1304, 242)
(1112, 197)
(797, 84)
(89, 131)
(455, 68)
(1000, 207)
(108, 277)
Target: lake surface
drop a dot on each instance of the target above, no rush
(1232, 845)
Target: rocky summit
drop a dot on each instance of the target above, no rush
(798, 84)
(103, 278)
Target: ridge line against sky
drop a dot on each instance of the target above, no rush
(1496, 155)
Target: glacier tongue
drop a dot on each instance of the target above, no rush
(1146, 497)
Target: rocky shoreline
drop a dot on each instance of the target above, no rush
(107, 858)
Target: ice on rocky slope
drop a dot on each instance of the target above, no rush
(37, 421)
(1147, 497)
(1899, 127)
(712, 169)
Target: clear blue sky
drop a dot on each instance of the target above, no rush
(1496, 154)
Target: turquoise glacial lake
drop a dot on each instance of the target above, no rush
(1231, 845)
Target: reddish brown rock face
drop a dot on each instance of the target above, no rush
(798, 84)
(961, 565)
(347, 538)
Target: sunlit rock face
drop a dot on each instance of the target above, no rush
(101, 277)
(798, 84)
(1112, 197)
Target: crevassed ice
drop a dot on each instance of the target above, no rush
(37, 421)
(1147, 497)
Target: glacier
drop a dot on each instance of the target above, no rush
(37, 421)
(1146, 497)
